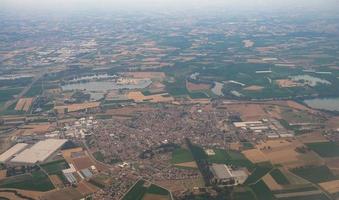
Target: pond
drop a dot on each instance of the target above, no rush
(97, 89)
(331, 104)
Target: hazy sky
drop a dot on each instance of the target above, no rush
(166, 4)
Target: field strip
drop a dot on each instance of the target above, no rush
(298, 194)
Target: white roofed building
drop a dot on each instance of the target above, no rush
(11, 152)
(39, 152)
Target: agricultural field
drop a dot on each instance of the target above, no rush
(284, 152)
(325, 149)
(181, 155)
(279, 177)
(36, 181)
(274, 82)
(260, 171)
(331, 187)
(55, 166)
(99, 156)
(314, 174)
(24, 104)
(183, 158)
(262, 191)
(244, 196)
(230, 158)
(255, 156)
(138, 96)
(7, 94)
(142, 191)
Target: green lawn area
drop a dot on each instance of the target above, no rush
(230, 158)
(99, 156)
(279, 177)
(37, 181)
(139, 191)
(315, 174)
(325, 149)
(262, 191)
(181, 155)
(260, 171)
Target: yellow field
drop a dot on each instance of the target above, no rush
(187, 164)
(3, 174)
(34, 129)
(254, 88)
(56, 181)
(24, 104)
(137, 96)
(286, 83)
(312, 137)
(155, 197)
(151, 75)
(284, 152)
(330, 186)
(77, 107)
(255, 155)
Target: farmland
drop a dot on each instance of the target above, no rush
(141, 191)
(181, 156)
(314, 174)
(36, 181)
(279, 177)
(325, 149)
(262, 191)
(55, 167)
(261, 170)
(230, 158)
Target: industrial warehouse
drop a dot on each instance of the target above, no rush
(38, 153)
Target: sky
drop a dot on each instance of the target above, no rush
(166, 4)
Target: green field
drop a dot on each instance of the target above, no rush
(37, 181)
(279, 177)
(139, 191)
(243, 193)
(230, 158)
(99, 156)
(198, 95)
(315, 174)
(325, 149)
(181, 155)
(260, 171)
(262, 192)
(309, 197)
(7, 94)
(35, 90)
(55, 166)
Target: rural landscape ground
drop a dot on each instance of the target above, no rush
(170, 105)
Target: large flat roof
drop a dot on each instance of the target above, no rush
(39, 152)
(12, 151)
